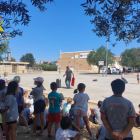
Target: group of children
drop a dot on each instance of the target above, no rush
(43, 112)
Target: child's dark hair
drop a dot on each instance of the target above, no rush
(72, 106)
(39, 84)
(99, 103)
(53, 86)
(118, 86)
(2, 84)
(12, 87)
(80, 87)
(139, 105)
(65, 122)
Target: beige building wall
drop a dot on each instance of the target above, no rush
(74, 61)
(13, 67)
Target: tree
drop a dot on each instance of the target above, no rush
(16, 12)
(131, 58)
(100, 55)
(28, 58)
(4, 47)
(13, 59)
(121, 17)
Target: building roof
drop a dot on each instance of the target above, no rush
(117, 58)
(77, 51)
(14, 62)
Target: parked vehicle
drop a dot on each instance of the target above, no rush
(116, 71)
(129, 70)
(137, 70)
(113, 71)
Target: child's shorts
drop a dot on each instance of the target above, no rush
(54, 117)
(80, 112)
(39, 106)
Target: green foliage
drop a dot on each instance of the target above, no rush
(4, 47)
(47, 67)
(118, 17)
(28, 58)
(100, 55)
(131, 57)
(16, 12)
(13, 59)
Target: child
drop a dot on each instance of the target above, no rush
(138, 116)
(138, 77)
(63, 132)
(26, 114)
(67, 107)
(45, 117)
(25, 96)
(100, 135)
(1, 134)
(31, 101)
(20, 102)
(54, 108)
(123, 79)
(39, 104)
(81, 108)
(47, 103)
(2, 102)
(95, 112)
(11, 110)
(6, 79)
(73, 117)
(63, 102)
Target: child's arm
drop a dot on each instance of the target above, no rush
(97, 134)
(3, 97)
(108, 127)
(76, 128)
(44, 88)
(137, 113)
(128, 128)
(29, 116)
(6, 108)
(79, 133)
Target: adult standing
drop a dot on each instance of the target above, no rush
(68, 74)
(124, 70)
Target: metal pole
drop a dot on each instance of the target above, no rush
(0, 73)
(60, 53)
(103, 72)
(106, 56)
(59, 70)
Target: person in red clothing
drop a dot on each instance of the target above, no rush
(54, 108)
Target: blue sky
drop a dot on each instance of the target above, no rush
(63, 26)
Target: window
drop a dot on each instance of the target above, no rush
(76, 56)
(7, 63)
(72, 56)
(21, 64)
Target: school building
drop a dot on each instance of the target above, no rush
(77, 61)
(13, 67)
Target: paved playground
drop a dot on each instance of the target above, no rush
(97, 90)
